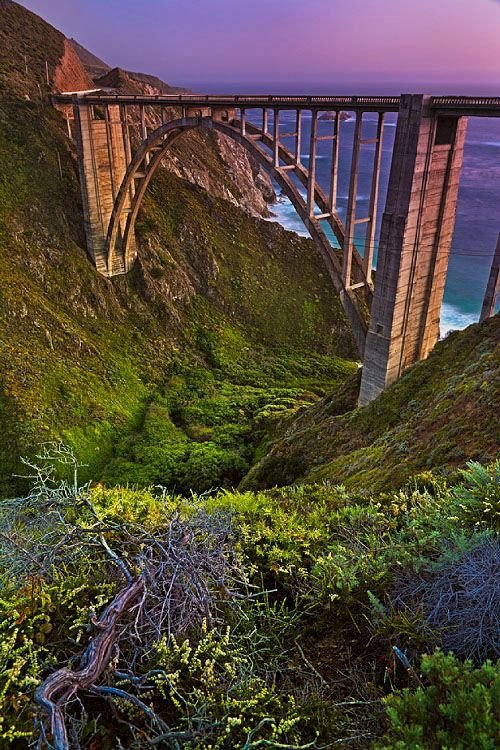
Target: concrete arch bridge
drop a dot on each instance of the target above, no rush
(395, 321)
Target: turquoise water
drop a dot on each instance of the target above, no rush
(478, 212)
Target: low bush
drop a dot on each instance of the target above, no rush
(213, 698)
(478, 496)
(458, 708)
(330, 547)
(251, 630)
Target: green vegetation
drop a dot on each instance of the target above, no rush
(207, 425)
(308, 572)
(317, 614)
(85, 359)
(438, 416)
(457, 708)
(27, 44)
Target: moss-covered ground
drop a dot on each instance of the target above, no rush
(207, 425)
(439, 415)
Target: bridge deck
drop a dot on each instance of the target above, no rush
(467, 106)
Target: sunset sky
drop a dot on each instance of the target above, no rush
(330, 42)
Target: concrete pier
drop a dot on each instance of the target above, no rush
(493, 286)
(415, 242)
(103, 146)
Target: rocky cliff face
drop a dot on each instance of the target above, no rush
(93, 65)
(70, 75)
(245, 184)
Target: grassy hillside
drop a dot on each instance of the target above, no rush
(82, 357)
(441, 414)
(27, 44)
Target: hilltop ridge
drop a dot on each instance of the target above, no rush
(109, 76)
(94, 66)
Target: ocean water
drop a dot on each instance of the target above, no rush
(478, 213)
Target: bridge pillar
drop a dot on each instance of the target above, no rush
(493, 287)
(415, 242)
(103, 147)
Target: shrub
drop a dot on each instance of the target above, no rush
(458, 709)
(331, 547)
(215, 700)
(478, 498)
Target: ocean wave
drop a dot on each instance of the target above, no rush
(285, 214)
(359, 197)
(318, 156)
(453, 319)
(493, 144)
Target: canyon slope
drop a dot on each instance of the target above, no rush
(440, 415)
(81, 356)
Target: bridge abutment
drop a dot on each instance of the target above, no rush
(415, 242)
(103, 146)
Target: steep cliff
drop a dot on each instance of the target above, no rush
(94, 66)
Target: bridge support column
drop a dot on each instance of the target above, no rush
(493, 287)
(415, 241)
(102, 143)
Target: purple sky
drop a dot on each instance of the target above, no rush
(333, 43)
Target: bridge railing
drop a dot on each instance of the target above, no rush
(465, 101)
(481, 106)
(258, 100)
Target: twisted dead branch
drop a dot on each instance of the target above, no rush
(55, 692)
(176, 577)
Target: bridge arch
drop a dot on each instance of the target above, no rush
(416, 226)
(120, 242)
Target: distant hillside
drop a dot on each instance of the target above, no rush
(442, 413)
(107, 77)
(94, 66)
(157, 83)
(133, 82)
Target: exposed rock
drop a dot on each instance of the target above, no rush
(333, 116)
(70, 75)
(94, 66)
(252, 183)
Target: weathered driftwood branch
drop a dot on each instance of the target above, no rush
(61, 686)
